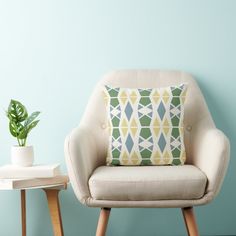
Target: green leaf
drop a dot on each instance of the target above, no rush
(23, 134)
(15, 128)
(31, 118)
(17, 111)
(32, 125)
(26, 129)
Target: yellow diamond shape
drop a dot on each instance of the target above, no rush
(156, 96)
(166, 158)
(133, 127)
(165, 96)
(166, 161)
(166, 155)
(183, 157)
(133, 131)
(166, 126)
(124, 127)
(181, 130)
(183, 96)
(156, 130)
(124, 158)
(133, 123)
(124, 162)
(182, 100)
(156, 126)
(134, 158)
(156, 161)
(124, 131)
(124, 123)
(156, 155)
(133, 97)
(156, 123)
(184, 92)
(123, 97)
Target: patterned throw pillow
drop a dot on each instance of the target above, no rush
(145, 125)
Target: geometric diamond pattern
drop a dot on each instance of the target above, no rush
(145, 125)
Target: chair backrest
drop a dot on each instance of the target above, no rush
(95, 115)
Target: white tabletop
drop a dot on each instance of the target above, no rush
(59, 182)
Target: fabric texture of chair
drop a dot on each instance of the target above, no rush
(143, 183)
(197, 183)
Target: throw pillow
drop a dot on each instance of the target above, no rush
(145, 125)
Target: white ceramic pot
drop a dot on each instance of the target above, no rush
(22, 156)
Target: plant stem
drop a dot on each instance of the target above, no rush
(21, 142)
(24, 143)
(18, 142)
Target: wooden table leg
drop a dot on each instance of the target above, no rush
(23, 212)
(54, 208)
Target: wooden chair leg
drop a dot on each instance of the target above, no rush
(190, 222)
(102, 222)
(23, 212)
(54, 208)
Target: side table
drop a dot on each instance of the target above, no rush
(52, 192)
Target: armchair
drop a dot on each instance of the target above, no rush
(193, 184)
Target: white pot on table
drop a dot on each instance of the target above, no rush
(22, 155)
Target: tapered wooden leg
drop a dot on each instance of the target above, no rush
(54, 208)
(102, 222)
(23, 212)
(190, 222)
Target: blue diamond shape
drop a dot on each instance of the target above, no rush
(161, 110)
(129, 143)
(162, 142)
(128, 110)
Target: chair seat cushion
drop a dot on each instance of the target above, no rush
(140, 183)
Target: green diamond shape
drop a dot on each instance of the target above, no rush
(113, 92)
(145, 163)
(175, 101)
(176, 162)
(176, 91)
(115, 121)
(115, 153)
(175, 132)
(145, 92)
(114, 102)
(145, 101)
(175, 121)
(176, 152)
(115, 133)
(115, 162)
(145, 133)
(146, 153)
(145, 121)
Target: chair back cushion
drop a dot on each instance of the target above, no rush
(95, 116)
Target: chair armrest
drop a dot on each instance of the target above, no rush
(81, 160)
(211, 152)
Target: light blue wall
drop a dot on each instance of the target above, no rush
(53, 52)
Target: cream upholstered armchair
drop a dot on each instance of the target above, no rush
(193, 184)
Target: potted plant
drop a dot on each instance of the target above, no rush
(20, 124)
